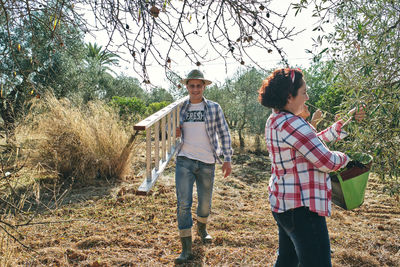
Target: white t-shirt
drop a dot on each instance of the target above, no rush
(196, 144)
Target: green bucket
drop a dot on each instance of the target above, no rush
(349, 184)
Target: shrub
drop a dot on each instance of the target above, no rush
(80, 142)
(156, 106)
(130, 108)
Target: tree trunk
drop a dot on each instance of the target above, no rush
(11, 106)
(257, 143)
(241, 139)
(8, 117)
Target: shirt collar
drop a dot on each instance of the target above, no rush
(205, 100)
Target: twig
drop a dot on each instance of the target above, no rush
(36, 223)
(16, 239)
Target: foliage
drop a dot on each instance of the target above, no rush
(364, 47)
(221, 95)
(96, 79)
(96, 55)
(238, 98)
(176, 89)
(156, 106)
(130, 108)
(158, 95)
(331, 100)
(360, 157)
(325, 94)
(36, 54)
(124, 86)
(321, 78)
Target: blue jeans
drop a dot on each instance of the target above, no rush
(303, 239)
(187, 172)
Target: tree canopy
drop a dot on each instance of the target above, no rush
(157, 31)
(364, 49)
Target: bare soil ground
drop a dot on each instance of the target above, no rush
(111, 225)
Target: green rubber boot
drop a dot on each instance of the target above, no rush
(202, 232)
(186, 254)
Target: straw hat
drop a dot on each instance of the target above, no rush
(195, 75)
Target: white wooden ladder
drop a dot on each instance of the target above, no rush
(166, 120)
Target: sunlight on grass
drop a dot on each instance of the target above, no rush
(79, 142)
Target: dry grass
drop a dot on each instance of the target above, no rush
(7, 249)
(80, 142)
(122, 228)
(58, 143)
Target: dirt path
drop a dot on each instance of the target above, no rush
(116, 227)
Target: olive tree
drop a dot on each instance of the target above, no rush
(33, 59)
(238, 98)
(365, 50)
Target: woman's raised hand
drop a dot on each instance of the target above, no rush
(358, 113)
(316, 117)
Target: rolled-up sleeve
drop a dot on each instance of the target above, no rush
(333, 133)
(224, 135)
(299, 135)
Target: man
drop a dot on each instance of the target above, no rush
(201, 122)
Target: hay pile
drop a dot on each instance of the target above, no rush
(83, 142)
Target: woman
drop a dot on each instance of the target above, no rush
(300, 187)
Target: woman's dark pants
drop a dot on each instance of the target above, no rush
(303, 239)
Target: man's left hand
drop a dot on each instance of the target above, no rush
(226, 169)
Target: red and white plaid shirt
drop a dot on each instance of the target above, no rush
(300, 163)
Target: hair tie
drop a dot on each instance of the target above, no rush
(292, 75)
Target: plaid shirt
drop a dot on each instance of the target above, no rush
(215, 126)
(301, 163)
